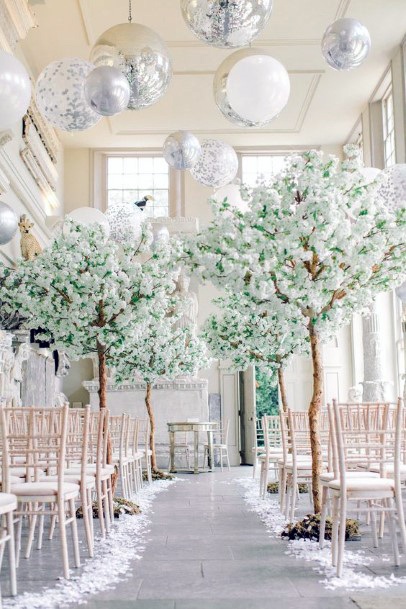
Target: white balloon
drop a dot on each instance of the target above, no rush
(15, 90)
(217, 164)
(258, 88)
(125, 222)
(231, 192)
(89, 216)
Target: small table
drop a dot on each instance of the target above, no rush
(196, 427)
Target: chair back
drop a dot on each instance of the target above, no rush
(34, 438)
(272, 433)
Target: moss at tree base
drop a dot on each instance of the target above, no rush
(309, 528)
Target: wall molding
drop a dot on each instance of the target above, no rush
(16, 20)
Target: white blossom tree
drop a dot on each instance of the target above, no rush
(319, 239)
(88, 292)
(159, 349)
(249, 332)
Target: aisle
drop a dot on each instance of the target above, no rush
(206, 551)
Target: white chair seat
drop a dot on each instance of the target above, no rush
(365, 484)
(329, 476)
(90, 469)
(8, 503)
(72, 478)
(44, 489)
(389, 468)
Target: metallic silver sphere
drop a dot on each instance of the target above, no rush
(182, 150)
(217, 165)
(141, 55)
(251, 87)
(8, 223)
(346, 44)
(107, 91)
(226, 23)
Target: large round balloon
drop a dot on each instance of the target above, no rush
(125, 222)
(393, 189)
(226, 23)
(89, 216)
(217, 165)
(182, 150)
(346, 44)
(107, 91)
(231, 192)
(60, 95)
(369, 174)
(141, 55)
(15, 90)
(8, 223)
(251, 87)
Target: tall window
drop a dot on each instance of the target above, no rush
(388, 129)
(260, 167)
(130, 178)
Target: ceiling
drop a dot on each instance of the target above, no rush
(324, 104)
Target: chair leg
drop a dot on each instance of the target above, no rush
(228, 460)
(341, 535)
(373, 525)
(86, 507)
(293, 495)
(12, 553)
(400, 517)
(40, 531)
(324, 506)
(282, 488)
(74, 527)
(31, 533)
(19, 531)
(334, 535)
(62, 532)
(392, 527)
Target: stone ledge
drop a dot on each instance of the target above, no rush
(177, 385)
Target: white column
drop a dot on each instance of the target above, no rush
(375, 388)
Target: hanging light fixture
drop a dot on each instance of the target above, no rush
(141, 55)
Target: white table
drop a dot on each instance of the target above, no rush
(196, 428)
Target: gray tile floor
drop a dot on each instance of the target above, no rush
(205, 550)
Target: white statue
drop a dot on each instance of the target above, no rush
(21, 356)
(60, 399)
(355, 394)
(6, 366)
(63, 365)
(188, 306)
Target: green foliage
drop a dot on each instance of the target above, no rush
(267, 398)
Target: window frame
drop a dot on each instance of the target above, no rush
(388, 134)
(258, 152)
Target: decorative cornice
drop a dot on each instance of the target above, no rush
(16, 20)
(176, 385)
(37, 159)
(5, 137)
(46, 133)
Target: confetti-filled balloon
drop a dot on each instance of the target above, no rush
(346, 44)
(141, 55)
(107, 91)
(251, 87)
(15, 90)
(226, 23)
(393, 189)
(217, 165)
(8, 223)
(60, 95)
(182, 150)
(125, 222)
(231, 192)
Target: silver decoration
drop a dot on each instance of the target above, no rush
(393, 189)
(226, 23)
(401, 292)
(182, 150)
(8, 223)
(107, 91)
(217, 165)
(60, 95)
(15, 90)
(346, 44)
(141, 55)
(272, 92)
(125, 222)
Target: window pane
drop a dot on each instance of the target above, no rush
(160, 165)
(115, 181)
(115, 197)
(115, 165)
(146, 165)
(145, 180)
(130, 164)
(161, 180)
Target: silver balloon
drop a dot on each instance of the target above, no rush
(141, 55)
(346, 44)
(182, 150)
(15, 90)
(217, 165)
(8, 223)
(251, 87)
(107, 91)
(60, 95)
(226, 23)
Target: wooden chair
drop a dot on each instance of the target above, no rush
(143, 437)
(220, 444)
(271, 429)
(8, 505)
(40, 438)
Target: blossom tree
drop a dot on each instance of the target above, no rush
(159, 349)
(249, 332)
(318, 238)
(88, 292)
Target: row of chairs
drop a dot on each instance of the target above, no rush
(220, 446)
(363, 449)
(55, 460)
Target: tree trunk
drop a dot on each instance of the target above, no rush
(314, 415)
(103, 404)
(282, 389)
(151, 416)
